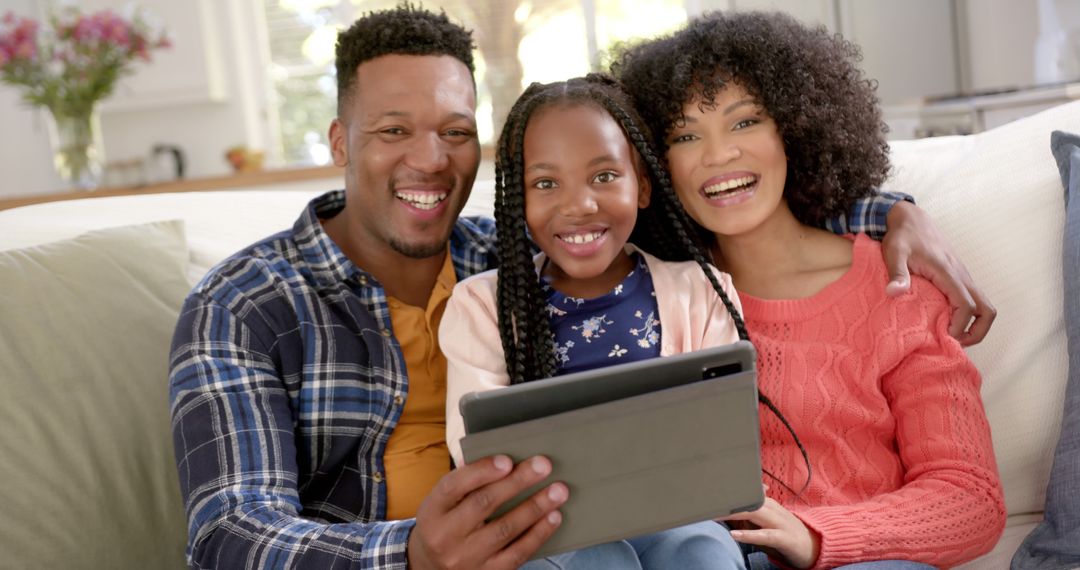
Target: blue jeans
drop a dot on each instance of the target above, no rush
(759, 561)
(700, 545)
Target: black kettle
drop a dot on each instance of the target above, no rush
(161, 155)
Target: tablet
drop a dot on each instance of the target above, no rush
(642, 446)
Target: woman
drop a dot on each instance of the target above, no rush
(769, 128)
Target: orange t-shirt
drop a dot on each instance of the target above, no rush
(416, 455)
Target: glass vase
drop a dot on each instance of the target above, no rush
(77, 148)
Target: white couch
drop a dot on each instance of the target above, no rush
(996, 196)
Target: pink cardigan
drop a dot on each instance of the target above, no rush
(691, 314)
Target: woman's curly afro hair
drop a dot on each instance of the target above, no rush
(806, 79)
(405, 30)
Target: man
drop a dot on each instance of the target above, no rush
(307, 386)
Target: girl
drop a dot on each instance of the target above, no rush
(768, 128)
(572, 171)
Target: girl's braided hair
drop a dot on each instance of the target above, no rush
(524, 326)
(663, 228)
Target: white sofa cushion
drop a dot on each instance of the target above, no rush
(997, 197)
(218, 223)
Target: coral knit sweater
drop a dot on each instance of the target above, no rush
(888, 407)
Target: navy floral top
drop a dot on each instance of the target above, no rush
(622, 325)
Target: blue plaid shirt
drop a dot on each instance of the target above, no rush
(286, 382)
(867, 215)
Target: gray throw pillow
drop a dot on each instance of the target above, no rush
(1055, 543)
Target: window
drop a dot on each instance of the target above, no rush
(518, 42)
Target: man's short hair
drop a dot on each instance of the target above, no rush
(404, 30)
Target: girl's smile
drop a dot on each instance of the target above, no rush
(583, 242)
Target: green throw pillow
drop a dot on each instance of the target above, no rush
(87, 475)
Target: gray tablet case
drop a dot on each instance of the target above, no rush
(643, 446)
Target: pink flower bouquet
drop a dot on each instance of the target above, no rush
(77, 60)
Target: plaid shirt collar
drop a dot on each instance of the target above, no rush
(328, 264)
(472, 244)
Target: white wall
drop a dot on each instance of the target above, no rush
(917, 48)
(815, 12)
(1000, 43)
(206, 129)
(907, 46)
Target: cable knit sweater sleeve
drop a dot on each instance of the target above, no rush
(949, 506)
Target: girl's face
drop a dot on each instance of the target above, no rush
(728, 164)
(582, 194)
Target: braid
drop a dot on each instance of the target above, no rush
(524, 328)
(540, 353)
(677, 216)
(504, 221)
(506, 218)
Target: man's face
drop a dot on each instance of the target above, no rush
(407, 140)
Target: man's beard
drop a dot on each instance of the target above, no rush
(418, 251)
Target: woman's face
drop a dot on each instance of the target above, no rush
(728, 163)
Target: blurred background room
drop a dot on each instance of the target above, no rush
(245, 92)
